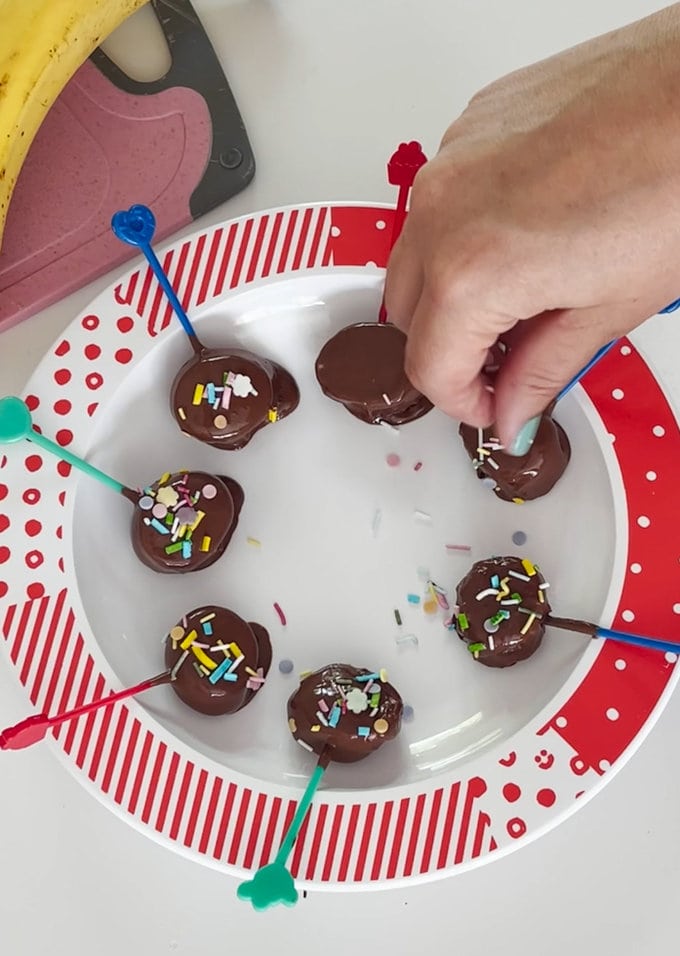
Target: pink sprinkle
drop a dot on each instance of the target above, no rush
(279, 611)
(393, 460)
(458, 547)
(418, 465)
(226, 397)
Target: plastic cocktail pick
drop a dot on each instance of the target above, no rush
(33, 729)
(401, 171)
(136, 227)
(274, 883)
(584, 627)
(16, 424)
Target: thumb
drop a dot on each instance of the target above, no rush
(549, 351)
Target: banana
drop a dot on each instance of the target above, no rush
(42, 44)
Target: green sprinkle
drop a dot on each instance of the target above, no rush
(173, 548)
(375, 700)
(463, 622)
(515, 596)
(476, 648)
(497, 618)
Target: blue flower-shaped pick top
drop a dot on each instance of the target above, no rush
(15, 420)
(271, 885)
(136, 226)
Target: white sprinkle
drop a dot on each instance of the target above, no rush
(544, 586)
(390, 428)
(507, 603)
(386, 398)
(237, 663)
(406, 639)
(219, 647)
(322, 718)
(494, 464)
(173, 672)
(520, 577)
(486, 593)
(422, 516)
(303, 743)
(375, 526)
(480, 437)
(490, 642)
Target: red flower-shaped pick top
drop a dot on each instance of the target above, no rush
(405, 163)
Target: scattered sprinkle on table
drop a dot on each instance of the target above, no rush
(407, 713)
(375, 525)
(422, 516)
(279, 611)
(406, 639)
(253, 542)
(397, 617)
(413, 598)
(418, 465)
(393, 460)
(286, 666)
(458, 547)
(519, 538)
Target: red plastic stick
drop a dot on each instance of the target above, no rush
(401, 171)
(33, 729)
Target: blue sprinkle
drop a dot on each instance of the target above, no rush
(186, 550)
(334, 716)
(207, 628)
(495, 581)
(211, 393)
(519, 537)
(286, 666)
(363, 731)
(232, 678)
(413, 598)
(220, 671)
(366, 677)
(160, 528)
(407, 713)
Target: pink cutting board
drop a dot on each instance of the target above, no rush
(109, 142)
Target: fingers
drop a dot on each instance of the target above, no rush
(549, 350)
(404, 281)
(446, 352)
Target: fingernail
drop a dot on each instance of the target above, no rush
(524, 438)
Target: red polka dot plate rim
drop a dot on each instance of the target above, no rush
(442, 818)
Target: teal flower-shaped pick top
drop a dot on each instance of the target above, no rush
(271, 885)
(15, 420)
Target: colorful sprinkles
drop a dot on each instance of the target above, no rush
(217, 396)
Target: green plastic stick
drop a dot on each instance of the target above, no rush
(273, 883)
(16, 424)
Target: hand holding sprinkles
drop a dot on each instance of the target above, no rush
(220, 396)
(34, 729)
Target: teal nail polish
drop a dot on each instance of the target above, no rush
(524, 438)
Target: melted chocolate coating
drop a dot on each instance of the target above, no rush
(520, 479)
(477, 600)
(373, 704)
(262, 393)
(362, 367)
(212, 533)
(194, 652)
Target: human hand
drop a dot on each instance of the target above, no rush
(551, 218)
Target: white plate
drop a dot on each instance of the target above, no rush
(489, 758)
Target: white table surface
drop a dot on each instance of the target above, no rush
(327, 91)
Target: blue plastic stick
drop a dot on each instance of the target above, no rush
(606, 633)
(586, 368)
(136, 227)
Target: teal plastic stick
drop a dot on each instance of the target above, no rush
(77, 462)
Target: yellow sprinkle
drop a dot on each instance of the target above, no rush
(199, 517)
(235, 650)
(188, 640)
(250, 671)
(204, 668)
(528, 567)
(304, 674)
(530, 621)
(182, 414)
(198, 395)
(164, 478)
(254, 542)
(383, 675)
(203, 658)
(381, 726)
(504, 591)
(541, 598)
(208, 617)
(292, 725)
(316, 728)
(430, 606)
(205, 543)
(272, 415)
(518, 501)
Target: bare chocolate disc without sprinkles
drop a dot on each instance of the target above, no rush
(502, 604)
(529, 476)
(184, 521)
(362, 367)
(217, 661)
(223, 397)
(346, 711)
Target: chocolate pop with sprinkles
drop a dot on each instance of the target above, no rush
(502, 606)
(344, 711)
(224, 396)
(184, 521)
(527, 477)
(218, 662)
